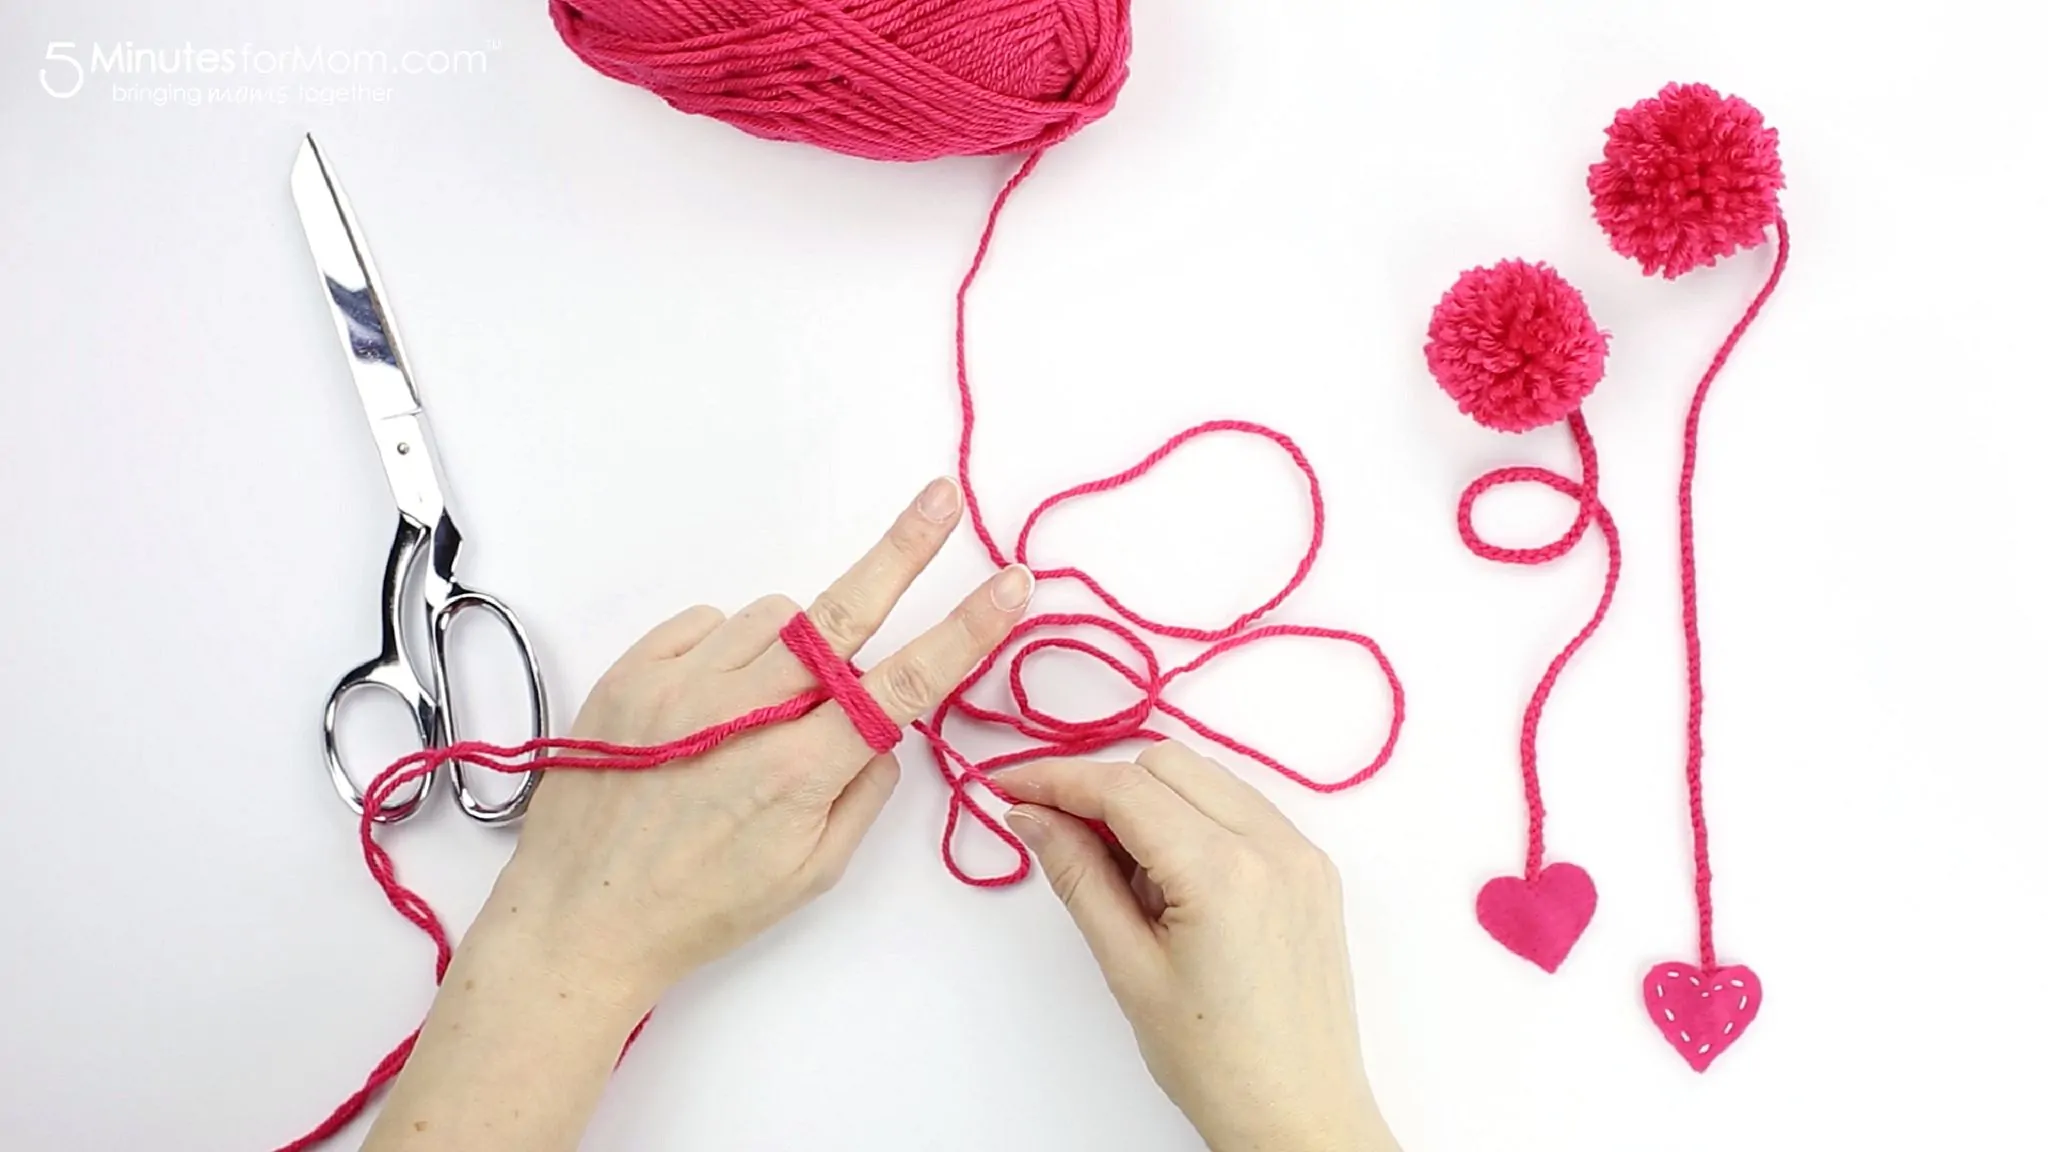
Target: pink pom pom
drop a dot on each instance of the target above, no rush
(1515, 346)
(1689, 176)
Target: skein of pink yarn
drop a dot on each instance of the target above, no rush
(880, 79)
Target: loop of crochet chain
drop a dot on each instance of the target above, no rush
(1585, 493)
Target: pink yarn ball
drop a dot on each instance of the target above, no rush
(882, 79)
(1689, 176)
(1515, 346)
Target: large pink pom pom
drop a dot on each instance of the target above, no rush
(1515, 346)
(1689, 176)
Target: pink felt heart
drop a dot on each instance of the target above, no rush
(1539, 920)
(1701, 1013)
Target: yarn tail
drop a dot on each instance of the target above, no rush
(988, 235)
(1688, 587)
(345, 1114)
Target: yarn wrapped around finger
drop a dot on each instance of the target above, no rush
(880, 79)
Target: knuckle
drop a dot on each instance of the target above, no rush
(1245, 874)
(689, 629)
(1065, 879)
(1297, 862)
(820, 876)
(614, 684)
(777, 783)
(774, 607)
(1307, 857)
(1122, 785)
(677, 700)
(1123, 779)
(1160, 752)
(905, 540)
(840, 621)
(1315, 863)
(911, 684)
(976, 627)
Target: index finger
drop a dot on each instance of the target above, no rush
(1154, 823)
(849, 612)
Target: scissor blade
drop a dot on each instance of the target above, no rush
(355, 298)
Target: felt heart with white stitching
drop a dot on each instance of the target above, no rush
(1699, 1012)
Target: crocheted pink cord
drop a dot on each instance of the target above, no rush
(1687, 177)
(1586, 494)
(1689, 602)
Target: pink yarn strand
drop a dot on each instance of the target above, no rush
(966, 390)
(1053, 736)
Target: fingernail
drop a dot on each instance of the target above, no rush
(939, 501)
(1028, 827)
(998, 783)
(1012, 589)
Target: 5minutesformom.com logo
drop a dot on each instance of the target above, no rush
(68, 64)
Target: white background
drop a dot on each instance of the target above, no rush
(669, 363)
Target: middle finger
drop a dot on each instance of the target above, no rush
(913, 681)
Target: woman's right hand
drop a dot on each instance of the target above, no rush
(1221, 932)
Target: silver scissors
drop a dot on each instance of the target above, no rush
(423, 553)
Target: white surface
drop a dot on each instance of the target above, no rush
(669, 363)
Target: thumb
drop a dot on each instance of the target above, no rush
(1087, 880)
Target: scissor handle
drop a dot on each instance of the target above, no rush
(390, 671)
(387, 673)
(460, 600)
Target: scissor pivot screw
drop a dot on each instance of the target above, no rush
(404, 448)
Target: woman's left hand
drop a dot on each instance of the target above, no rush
(625, 881)
(647, 875)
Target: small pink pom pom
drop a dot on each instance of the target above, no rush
(1515, 346)
(1689, 176)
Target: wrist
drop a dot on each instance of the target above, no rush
(520, 941)
(521, 1036)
